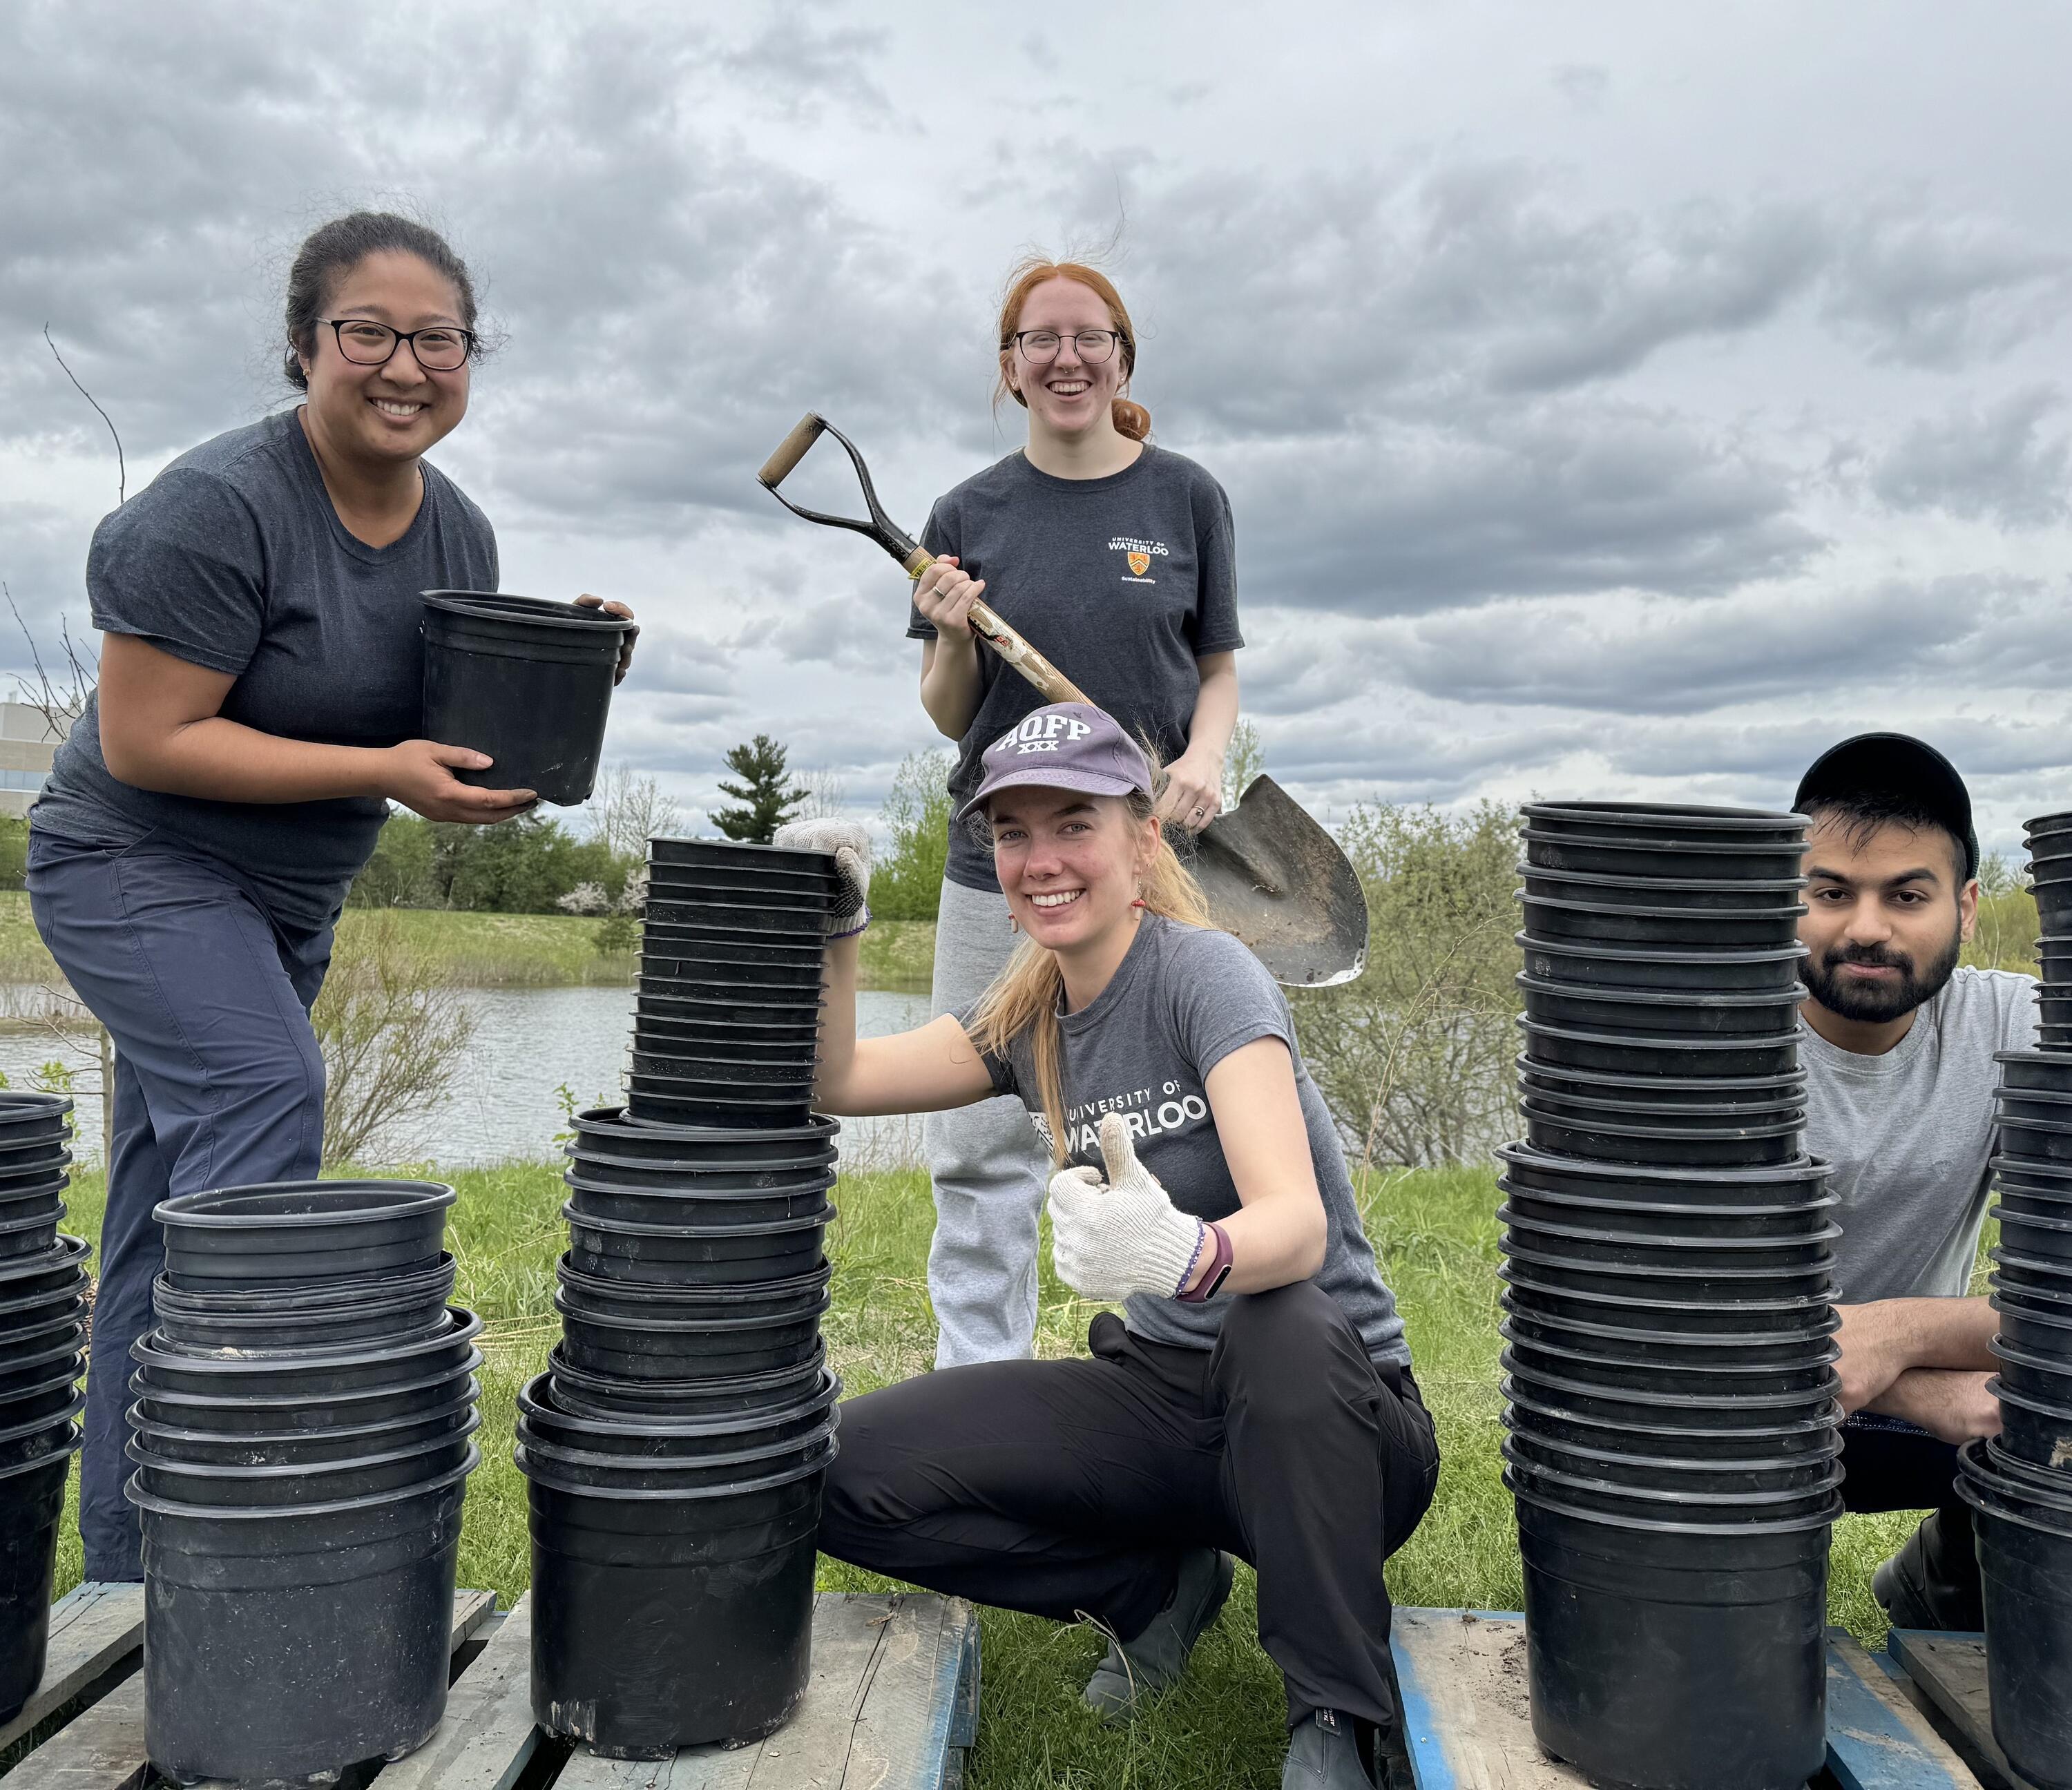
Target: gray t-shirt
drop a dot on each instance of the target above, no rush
(234, 559)
(1183, 998)
(1910, 1134)
(1122, 583)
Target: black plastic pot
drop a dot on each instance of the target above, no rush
(2053, 890)
(1772, 970)
(2026, 1142)
(244, 1413)
(780, 1009)
(2034, 1071)
(1694, 1288)
(28, 1119)
(2036, 1430)
(669, 849)
(27, 1371)
(760, 1075)
(1681, 1055)
(32, 1508)
(2030, 1274)
(29, 1236)
(1645, 1096)
(1611, 853)
(1779, 1433)
(736, 1437)
(1672, 1657)
(528, 681)
(696, 1208)
(23, 1445)
(1708, 895)
(293, 1644)
(24, 1171)
(2045, 826)
(50, 1399)
(670, 1100)
(59, 1329)
(749, 915)
(1644, 1496)
(722, 945)
(1635, 1467)
(2054, 955)
(1667, 820)
(702, 889)
(2040, 1105)
(2041, 1238)
(2024, 1546)
(802, 1295)
(1646, 1345)
(1738, 1143)
(2031, 1375)
(793, 1000)
(577, 1391)
(686, 1349)
(1786, 1183)
(2050, 1182)
(669, 1619)
(292, 1485)
(1809, 1373)
(295, 1233)
(674, 1475)
(1700, 1226)
(62, 1265)
(674, 1037)
(1641, 1409)
(1769, 926)
(694, 1180)
(717, 969)
(406, 1308)
(1650, 1011)
(617, 1249)
(304, 1448)
(609, 1131)
(361, 1369)
(1652, 1251)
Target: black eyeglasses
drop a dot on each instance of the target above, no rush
(442, 348)
(1095, 346)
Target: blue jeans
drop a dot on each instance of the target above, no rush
(219, 1083)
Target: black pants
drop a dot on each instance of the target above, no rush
(1065, 1489)
(1895, 1465)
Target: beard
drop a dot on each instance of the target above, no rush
(1875, 1003)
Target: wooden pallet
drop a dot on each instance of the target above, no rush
(1462, 1678)
(1944, 1674)
(892, 1705)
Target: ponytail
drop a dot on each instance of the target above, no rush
(1024, 997)
(1131, 419)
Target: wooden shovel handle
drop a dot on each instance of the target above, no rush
(985, 622)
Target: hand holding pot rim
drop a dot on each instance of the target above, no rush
(419, 774)
(587, 601)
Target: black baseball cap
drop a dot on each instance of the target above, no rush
(1895, 764)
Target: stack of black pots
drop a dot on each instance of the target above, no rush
(2019, 1483)
(676, 1450)
(1671, 1396)
(42, 1311)
(302, 1437)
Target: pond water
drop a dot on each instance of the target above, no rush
(504, 1104)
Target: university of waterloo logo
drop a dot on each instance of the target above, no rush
(1138, 554)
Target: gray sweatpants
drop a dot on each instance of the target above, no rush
(989, 1168)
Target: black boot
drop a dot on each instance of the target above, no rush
(1933, 1581)
(1328, 1751)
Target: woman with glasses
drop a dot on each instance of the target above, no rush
(259, 689)
(1117, 558)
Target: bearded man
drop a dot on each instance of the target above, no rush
(1898, 1044)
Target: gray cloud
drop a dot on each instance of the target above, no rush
(1994, 462)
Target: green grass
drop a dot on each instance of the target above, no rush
(1437, 1234)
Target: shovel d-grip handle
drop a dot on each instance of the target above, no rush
(985, 622)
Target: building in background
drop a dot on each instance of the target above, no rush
(28, 742)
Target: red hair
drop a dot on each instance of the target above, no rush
(1131, 419)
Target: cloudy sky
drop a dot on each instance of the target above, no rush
(1614, 399)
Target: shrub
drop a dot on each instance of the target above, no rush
(907, 882)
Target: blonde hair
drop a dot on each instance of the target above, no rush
(1024, 997)
(1131, 418)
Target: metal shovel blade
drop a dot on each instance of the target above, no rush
(1278, 882)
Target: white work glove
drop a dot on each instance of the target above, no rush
(851, 846)
(1124, 1236)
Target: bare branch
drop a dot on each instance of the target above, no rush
(121, 468)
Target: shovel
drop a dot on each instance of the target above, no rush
(1273, 878)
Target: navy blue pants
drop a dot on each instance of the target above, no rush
(218, 1083)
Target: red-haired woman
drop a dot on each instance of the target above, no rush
(1117, 558)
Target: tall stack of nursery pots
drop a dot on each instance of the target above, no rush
(677, 1447)
(1670, 1392)
(2019, 1483)
(303, 1436)
(43, 1308)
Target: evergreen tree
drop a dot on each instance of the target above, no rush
(766, 794)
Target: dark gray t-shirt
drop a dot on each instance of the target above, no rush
(1910, 1134)
(234, 559)
(1183, 999)
(1122, 583)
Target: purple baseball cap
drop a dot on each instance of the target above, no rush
(1066, 746)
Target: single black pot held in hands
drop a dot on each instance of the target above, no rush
(528, 682)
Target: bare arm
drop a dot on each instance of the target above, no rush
(1884, 1340)
(951, 685)
(1948, 1402)
(926, 1070)
(1278, 1234)
(162, 729)
(1195, 780)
